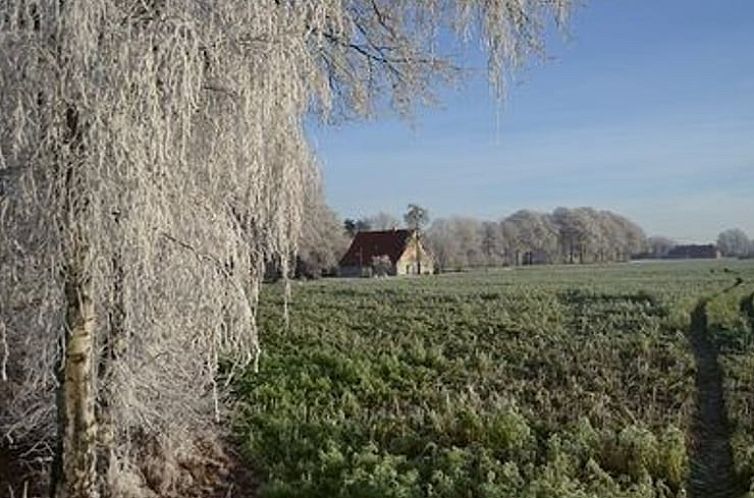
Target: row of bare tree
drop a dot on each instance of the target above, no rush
(735, 243)
(580, 235)
(732, 243)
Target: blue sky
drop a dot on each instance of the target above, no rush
(645, 108)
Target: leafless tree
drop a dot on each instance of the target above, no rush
(353, 226)
(582, 235)
(443, 244)
(660, 246)
(416, 217)
(734, 242)
(322, 240)
(587, 235)
(383, 221)
(627, 237)
(533, 236)
(456, 242)
(492, 243)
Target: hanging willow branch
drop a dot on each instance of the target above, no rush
(154, 151)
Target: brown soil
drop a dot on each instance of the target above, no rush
(226, 476)
(18, 474)
(220, 474)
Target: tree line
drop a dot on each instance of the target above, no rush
(732, 243)
(526, 237)
(578, 235)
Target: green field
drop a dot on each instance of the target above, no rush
(536, 382)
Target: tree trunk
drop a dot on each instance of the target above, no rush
(75, 468)
(76, 475)
(418, 254)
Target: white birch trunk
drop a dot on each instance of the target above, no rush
(77, 475)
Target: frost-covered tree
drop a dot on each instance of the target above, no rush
(322, 242)
(587, 235)
(627, 237)
(573, 231)
(383, 221)
(443, 243)
(734, 242)
(660, 246)
(492, 243)
(152, 158)
(456, 242)
(583, 235)
(533, 237)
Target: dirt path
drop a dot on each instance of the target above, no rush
(712, 471)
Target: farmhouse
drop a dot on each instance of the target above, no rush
(388, 252)
(709, 251)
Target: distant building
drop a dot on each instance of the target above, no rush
(709, 251)
(387, 252)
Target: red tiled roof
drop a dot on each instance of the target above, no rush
(366, 245)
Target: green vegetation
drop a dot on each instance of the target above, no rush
(539, 382)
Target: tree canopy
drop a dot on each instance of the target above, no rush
(416, 217)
